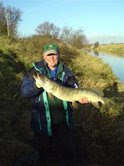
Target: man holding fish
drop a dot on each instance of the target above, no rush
(52, 116)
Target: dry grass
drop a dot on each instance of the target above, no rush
(92, 72)
(115, 49)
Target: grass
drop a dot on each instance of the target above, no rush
(12, 112)
(92, 72)
(115, 49)
(99, 130)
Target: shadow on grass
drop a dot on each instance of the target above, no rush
(101, 131)
(14, 111)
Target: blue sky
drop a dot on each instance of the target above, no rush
(101, 20)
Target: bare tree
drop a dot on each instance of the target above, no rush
(3, 25)
(48, 29)
(73, 37)
(13, 16)
(78, 39)
(9, 19)
(66, 34)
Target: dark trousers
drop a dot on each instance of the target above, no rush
(61, 145)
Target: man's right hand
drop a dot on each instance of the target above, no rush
(83, 101)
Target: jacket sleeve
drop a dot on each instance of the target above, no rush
(28, 87)
(72, 82)
(70, 78)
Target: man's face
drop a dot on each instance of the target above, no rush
(51, 59)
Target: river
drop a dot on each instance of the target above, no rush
(116, 63)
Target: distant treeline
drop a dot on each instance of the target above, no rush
(115, 49)
(10, 18)
(69, 36)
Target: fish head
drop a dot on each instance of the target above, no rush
(39, 78)
(45, 83)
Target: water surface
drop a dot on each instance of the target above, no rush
(115, 62)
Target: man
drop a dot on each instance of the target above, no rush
(52, 118)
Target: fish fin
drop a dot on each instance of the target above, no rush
(75, 104)
(51, 96)
(97, 104)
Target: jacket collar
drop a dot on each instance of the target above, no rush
(59, 71)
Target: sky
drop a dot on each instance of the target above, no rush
(101, 20)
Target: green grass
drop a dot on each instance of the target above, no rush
(101, 130)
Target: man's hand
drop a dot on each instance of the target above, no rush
(83, 101)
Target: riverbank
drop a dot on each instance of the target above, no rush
(115, 62)
(115, 49)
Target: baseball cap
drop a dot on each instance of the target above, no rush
(51, 49)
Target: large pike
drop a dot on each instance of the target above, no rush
(67, 94)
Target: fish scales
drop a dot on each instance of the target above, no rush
(65, 93)
(72, 94)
